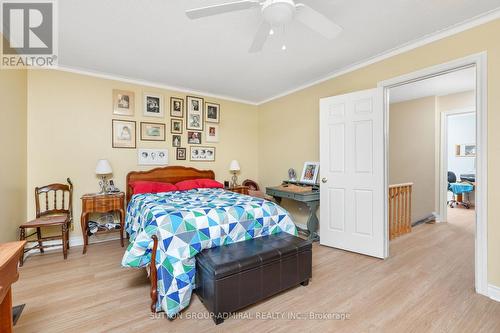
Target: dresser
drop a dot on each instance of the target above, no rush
(102, 203)
(9, 257)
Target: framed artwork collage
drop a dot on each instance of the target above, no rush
(192, 121)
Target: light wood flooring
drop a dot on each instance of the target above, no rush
(425, 286)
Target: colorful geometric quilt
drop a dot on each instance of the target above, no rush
(187, 222)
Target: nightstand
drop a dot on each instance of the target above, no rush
(239, 189)
(102, 203)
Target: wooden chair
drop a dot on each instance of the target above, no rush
(56, 213)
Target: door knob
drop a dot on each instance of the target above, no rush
(324, 180)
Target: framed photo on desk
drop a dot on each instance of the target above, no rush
(310, 173)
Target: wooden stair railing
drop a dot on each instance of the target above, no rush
(399, 209)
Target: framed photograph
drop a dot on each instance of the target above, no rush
(176, 126)
(176, 107)
(465, 150)
(202, 154)
(212, 133)
(176, 140)
(153, 105)
(194, 120)
(152, 156)
(123, 102)
(194, 138)
(310, 173)
(123, 134)
(181, 154)
(212, 113)
(152, 131)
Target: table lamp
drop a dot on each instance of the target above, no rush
(102, 170)
(234, 167)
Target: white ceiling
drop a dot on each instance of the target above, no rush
(153, 40)
(451, 83)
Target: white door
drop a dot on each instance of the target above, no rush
(352, 172)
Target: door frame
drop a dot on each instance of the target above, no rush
(479, 61)
(443, 159)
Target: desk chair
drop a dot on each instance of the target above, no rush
(56, 213)
(458, 189)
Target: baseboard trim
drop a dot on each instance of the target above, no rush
(427, 219)
(73, 241)
(494, 292)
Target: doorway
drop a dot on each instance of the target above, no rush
(477, 63)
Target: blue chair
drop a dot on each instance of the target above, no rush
(456, 189)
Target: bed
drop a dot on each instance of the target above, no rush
(168, 229)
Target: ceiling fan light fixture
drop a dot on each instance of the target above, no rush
(278, 12)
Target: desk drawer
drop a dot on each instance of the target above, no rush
(102, 204)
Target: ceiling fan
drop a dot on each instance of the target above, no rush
(276, 14)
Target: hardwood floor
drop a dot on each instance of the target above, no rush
(425, 286)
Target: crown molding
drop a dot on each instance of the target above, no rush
(114, 77)
(427, 39)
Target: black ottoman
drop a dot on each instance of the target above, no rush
(231, 277)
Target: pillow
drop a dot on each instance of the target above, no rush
(140, 187)
(187, 185)
(209, 183)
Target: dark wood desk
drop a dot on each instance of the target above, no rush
(310, 198)
(102, 203)
(9, 257)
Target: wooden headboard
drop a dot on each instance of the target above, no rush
(169, 174)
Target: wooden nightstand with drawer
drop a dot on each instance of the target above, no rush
(239, 189)
(102, 203)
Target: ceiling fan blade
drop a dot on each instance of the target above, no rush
(222, 8)
(260, 38)
(317, 21)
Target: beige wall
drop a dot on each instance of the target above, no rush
(69, 129)
(418, 161)
(13, 153)
(458, 101)
(288, 132)
(412, 151)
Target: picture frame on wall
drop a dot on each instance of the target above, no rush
(212, 133)
(123, 102)
(181, 154)
(176, 140)
(152, 131)
(153, 105)
(176, 107)
(212, 112)
(202, 154)
(123, 133)
(152, 156)
(310, 173)
(194, 138)
(194, 119)
(176, 126)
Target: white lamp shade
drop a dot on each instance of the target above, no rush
(234, 166)
(103, 168)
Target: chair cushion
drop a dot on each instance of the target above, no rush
(46, 221)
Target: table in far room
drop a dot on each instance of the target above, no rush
(310, 198)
